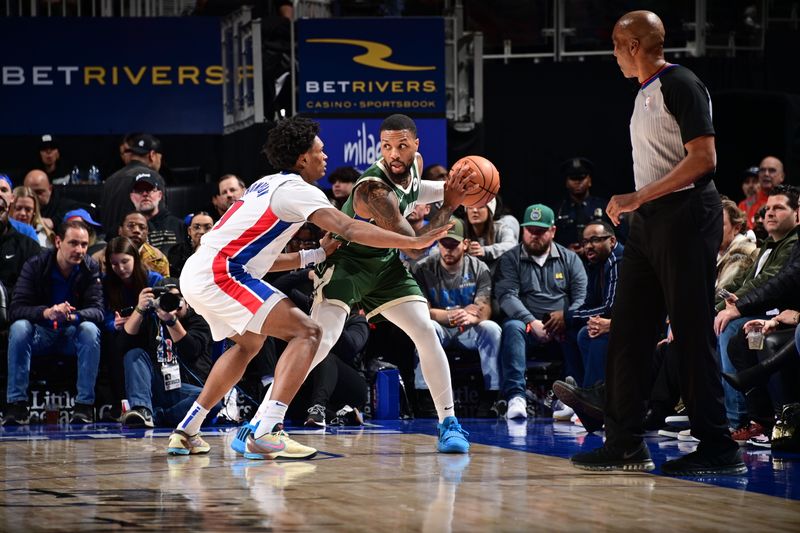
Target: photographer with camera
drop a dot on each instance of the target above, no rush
(167, 349)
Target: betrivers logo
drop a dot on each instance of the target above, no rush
(375, 56)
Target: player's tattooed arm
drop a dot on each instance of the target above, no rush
(380, 203)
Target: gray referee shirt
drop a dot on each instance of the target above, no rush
(672, 108)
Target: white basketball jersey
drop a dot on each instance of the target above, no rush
(256, 228)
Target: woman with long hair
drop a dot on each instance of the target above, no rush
(125, 279)
(25, 209)
(488, 239)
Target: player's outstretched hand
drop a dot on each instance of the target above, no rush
(430, 237)
(458, 185)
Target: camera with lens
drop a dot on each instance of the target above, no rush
(165, 300)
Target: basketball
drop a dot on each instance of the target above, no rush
(486, 176)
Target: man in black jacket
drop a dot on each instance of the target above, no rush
(15, 249)
(56, 308)
(145, 158)
(167, 349)
(164, 229)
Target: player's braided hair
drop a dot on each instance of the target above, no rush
(289, 140)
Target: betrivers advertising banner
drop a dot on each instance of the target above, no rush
(371, 66)
(110, 75)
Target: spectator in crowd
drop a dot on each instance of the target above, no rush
(504, 216)
(50, 161)
(781, 223)
(125, 153)
(96, 241)
(736, 251)
(416, 218)
(231, 188)
(592, 320)
(15, 248)
(764, 399)
(536, 283)
(486, 239)
(52, 205)
(781, 291)
(435, 172)
(145, 159)
(459, 291)
(336, 389)
(750, 187)
(200, 224)
(25, 209)
(6, 193)
(56, 308)
(758, 226)
(342, 180)
(134, 227)
(579, 207)
(164, 229)
(770, 174)
(167, 349)
(126, 277)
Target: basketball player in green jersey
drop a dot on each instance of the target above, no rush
(376, 278)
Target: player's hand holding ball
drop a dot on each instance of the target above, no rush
(484, 180)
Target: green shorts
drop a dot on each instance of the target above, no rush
(376, 283)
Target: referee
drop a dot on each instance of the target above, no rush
(668, 266)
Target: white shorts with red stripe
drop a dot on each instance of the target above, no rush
(225, 294)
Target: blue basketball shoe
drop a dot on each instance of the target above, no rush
(239, 443)
(452, 438)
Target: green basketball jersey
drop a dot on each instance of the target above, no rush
(406, 201)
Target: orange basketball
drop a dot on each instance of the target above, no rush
(486, 176)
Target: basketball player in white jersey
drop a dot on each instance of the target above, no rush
(222, 282)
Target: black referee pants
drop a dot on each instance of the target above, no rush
(668, 269)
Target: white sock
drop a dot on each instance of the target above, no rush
(274, 414)
(193, 419)
(415, 320)
(331, 319)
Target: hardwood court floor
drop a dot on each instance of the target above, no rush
(386, 478)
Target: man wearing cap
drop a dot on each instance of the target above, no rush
(536, 283)
(50, 160)
(145, 159)
(7, 194)
(96, 242)
(52, 205)
(579, 207)
(165, 230)
(458, 287)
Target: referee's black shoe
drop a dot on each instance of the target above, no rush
(700, 463)
(606, 458)
(588, 403)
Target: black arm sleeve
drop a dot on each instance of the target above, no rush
(689, 102)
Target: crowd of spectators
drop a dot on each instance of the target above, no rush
(100, 282)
